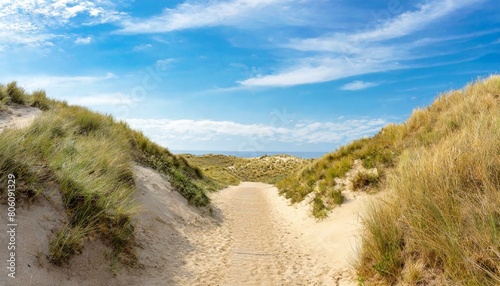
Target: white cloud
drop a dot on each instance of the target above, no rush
(164, 64)
(142, 47)
(29, 23)
(83, 41)
(201, 14)
(46, 82)
(358, 85)
(166, 131)
(402, 25)
(410, 22)
(319, 70)
(341, 55)
(103, 99)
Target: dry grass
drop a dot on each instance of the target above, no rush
(441, 221)
(12, 93)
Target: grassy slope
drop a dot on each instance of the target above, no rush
(441, 221)
(230, 170)
(88, 156)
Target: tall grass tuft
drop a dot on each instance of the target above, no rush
(15, 93)
(441, 221)
(39, 100)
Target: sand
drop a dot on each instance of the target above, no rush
(271, 243)
(249, 236)
(17, 116)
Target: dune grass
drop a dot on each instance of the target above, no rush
(318, 178)
(12, 93)
(441, 220)
(88, 157)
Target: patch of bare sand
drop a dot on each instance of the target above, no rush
(332, 243)
(17, 116)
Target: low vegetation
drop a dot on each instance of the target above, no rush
(88, 157)
(318, 179)
(231, 170)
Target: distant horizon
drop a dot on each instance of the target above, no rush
(252, 154)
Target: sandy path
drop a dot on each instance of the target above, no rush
(256, 256)
(261, 240)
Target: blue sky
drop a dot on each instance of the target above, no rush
(242, 75)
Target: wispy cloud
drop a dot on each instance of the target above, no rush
(167, 131)
(165, 63)
(402, 25)
(142, 47)
(341, 55)
(201, 14)
(46, 82)
(116, 98)
(83, 41)
(319, 70)
(358, 85)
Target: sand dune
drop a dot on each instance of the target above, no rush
(249, 236)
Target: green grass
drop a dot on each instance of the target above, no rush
(12, 93)
(89, 156)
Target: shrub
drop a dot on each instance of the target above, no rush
(364, 179)
(319, 209)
